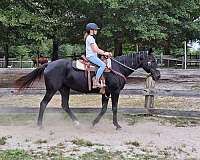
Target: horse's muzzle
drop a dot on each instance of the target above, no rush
(155, 74)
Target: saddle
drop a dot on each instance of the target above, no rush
(85, 65)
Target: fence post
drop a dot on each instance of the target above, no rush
(149, 93)
(20, 61)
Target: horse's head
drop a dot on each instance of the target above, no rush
(149, 64)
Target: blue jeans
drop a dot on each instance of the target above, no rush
(98, 62)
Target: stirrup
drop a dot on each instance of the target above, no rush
(96, 84)
(103, 83)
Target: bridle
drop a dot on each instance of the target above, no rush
(132, 69)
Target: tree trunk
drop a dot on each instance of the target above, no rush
(118, 47)
(6, 55)
(167, 48)
(55, 50)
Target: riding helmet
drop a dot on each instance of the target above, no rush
(91, 26)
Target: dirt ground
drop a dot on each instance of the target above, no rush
(140, 136)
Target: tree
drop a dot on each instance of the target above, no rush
(156, 23)
(15, 24)
(59, 20)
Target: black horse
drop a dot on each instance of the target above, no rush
(60, 76)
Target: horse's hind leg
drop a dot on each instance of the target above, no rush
(64, 91)
(49, 94)
(104, 101)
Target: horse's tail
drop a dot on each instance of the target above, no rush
(27, 80)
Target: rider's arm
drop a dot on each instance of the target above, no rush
(96, 49)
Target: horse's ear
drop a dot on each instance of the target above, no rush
(150, 51)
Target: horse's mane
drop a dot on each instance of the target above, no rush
(133, 56)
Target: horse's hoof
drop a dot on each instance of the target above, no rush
(94, 123)
(39, 124)
(92, 126)
(77, 123)
(118, 128)
(40, 127)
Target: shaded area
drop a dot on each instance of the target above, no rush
(165, 112)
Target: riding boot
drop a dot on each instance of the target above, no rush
(96, 83)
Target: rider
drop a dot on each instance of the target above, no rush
(92, 50)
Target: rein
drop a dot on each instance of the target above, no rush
(134, 70)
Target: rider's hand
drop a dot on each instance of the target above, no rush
(109, 54)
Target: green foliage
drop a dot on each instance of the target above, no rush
(20, 51)
(195, 52)
(43, 48)
(178, 52)
(70, 50)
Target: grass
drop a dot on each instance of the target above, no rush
(23, 155)
(3, 140)
(176, 121)
(40, 141)
(195, 87)
(134, 118)
(15, 155)
(98, 154)
(180, 121)
(101, 154)
(82, 142)
(135, 143)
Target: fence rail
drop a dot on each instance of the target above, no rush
(170, 61)
(17, 64)
(125, 91)
(167, 61)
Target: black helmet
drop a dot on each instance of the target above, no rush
(91, 26)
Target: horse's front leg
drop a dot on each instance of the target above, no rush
(115, 98)
(104, 100)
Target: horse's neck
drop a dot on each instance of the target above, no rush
(130, 61)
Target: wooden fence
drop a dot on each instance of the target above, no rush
(13, 63)
(173, 82)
